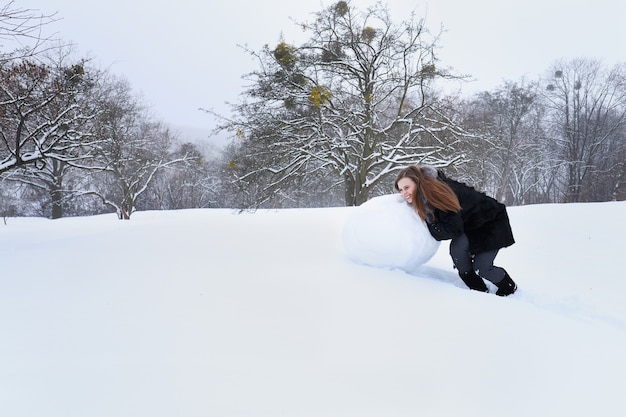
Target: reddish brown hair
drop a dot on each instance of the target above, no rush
(429, 189)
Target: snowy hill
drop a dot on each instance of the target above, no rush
(211, 313)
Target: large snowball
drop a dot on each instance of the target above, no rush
(387, 232)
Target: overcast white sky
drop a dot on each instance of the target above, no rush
(182, 55)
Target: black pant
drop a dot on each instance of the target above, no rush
(482, 263)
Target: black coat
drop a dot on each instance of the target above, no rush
(483, 219)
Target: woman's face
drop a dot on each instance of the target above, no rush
(407, 188)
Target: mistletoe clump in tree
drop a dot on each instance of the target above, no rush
(343, 110)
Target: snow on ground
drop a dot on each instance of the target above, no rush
(213, 313)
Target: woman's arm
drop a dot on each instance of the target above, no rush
(445, 225)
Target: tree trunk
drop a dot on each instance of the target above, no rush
(57, 204)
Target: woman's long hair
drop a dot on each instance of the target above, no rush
(430, 192)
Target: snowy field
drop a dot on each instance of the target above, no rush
(202, 313)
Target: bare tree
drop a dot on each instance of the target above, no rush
(587, 105)
(509, 157)
(72, 82)
(130, 149)
(345, 109)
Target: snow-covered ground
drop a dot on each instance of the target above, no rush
(212, 313)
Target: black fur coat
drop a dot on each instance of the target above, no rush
(483, 219)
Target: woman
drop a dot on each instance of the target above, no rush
(477, 224)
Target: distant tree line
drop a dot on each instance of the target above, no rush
(325, 123)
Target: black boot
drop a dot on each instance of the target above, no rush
(506, 286)
(473, 281)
